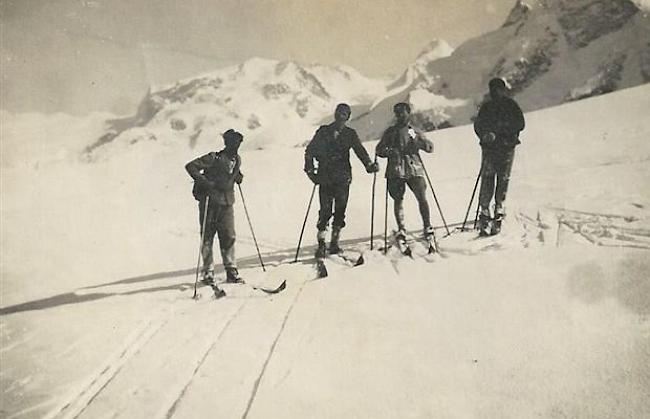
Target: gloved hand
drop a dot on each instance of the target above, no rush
(312, 175)
(372, 167)
(239, 177)
(488, 138)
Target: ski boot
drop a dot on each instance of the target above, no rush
(321, 250)
(484, 228)
(207, 277)
(400, 240)
(496, 224)
(232, 276)
(429, 236)
(334, 243)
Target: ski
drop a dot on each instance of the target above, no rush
(429, 242)
(220, 293)
(321, 269)
(348, 258)
(275, 290)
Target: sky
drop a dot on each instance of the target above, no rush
(79, 56)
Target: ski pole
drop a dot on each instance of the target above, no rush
(478, 204)
(372, 207)
(472, 198)
(434, 194)
(304, 223)
(386, 220)
(198, 262)
(259, 255)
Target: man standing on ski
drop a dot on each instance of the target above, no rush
(401, 144)
(497, 126)
(330, 148)
(215, 175)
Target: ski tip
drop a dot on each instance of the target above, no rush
(280, 288)
(218, 292)
(360, 261)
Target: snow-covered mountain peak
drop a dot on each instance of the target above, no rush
(434, 50)
(272, 102)
(438, 48)
(518, 13)
(549, 51)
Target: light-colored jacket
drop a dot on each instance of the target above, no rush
(401, 145)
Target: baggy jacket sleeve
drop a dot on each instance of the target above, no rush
(517, 122)
(312, 150)
(196, 167)
(423, 143)
(360, 150)
(480, 123)
(384, 145)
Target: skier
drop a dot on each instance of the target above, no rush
(497, 126)
(214, 177)
(330, 148)
(401, 144)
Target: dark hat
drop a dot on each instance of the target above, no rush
(496, 83)
(402, 105)
(232, 135)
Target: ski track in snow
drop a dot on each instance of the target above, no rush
(172, 409)
(251, 400)
(73, 407)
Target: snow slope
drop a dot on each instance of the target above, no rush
(30, 139)
(549, 319)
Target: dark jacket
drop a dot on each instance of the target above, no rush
(332, 151)
(214, 174)
(504, 118)
(401, 146)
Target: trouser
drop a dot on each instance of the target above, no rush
(496, 167)
(417, 185)
(336, 195)
(220, 221)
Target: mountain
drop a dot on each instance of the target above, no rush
(549, 51)
(272, 102)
